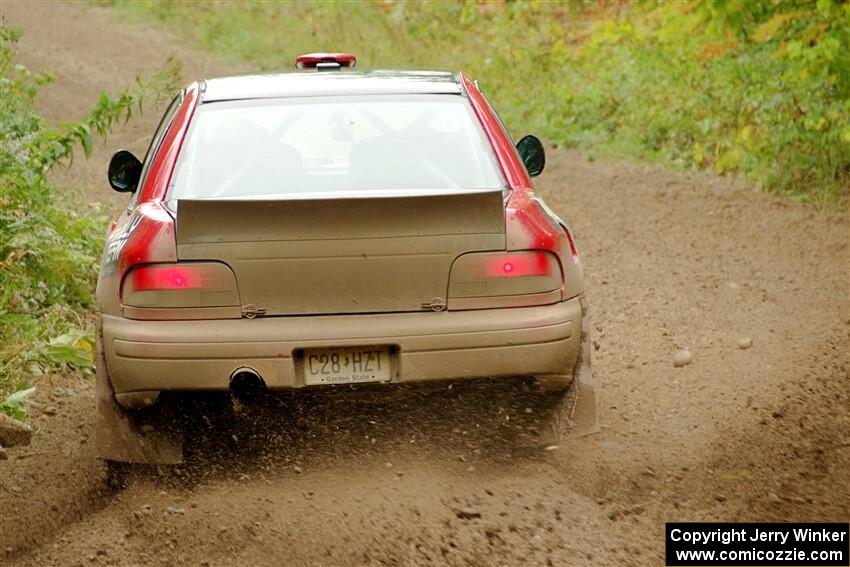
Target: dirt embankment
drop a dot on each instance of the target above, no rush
(672, 261)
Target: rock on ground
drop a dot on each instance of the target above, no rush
(14, 432)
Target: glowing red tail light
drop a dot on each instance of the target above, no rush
(148, 278)
(196, 284)
(519, 265)
(522, 278)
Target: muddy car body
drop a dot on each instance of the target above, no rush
(315, 228)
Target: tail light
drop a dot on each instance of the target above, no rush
(150, 289)
(166, 278)
(530, 224)
(519, 265)
(505, 279)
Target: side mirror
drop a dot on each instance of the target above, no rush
(124, 171)
(530, 150)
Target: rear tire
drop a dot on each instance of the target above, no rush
(139, 436)
(557, 407)
(553, 382)
(117, 474)
(572, 409)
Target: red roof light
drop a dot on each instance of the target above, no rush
(312, 60)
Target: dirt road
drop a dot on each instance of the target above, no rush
(671, 260)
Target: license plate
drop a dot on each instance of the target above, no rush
(352, 365)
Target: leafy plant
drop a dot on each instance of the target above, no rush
(14, 404)
(74, 349)
(49, 247)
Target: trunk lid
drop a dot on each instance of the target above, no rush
(343, 255)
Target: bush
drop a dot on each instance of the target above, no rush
(745, 87)
(762, 89)
(49, 247)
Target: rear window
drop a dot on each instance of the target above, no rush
(332, 146)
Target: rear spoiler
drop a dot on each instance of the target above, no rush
(213, 220)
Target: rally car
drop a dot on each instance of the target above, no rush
(325, 227)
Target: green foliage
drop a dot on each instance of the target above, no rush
(49, 244)
(74, 349)
(757, 88)
(13, 404)
(742, 474)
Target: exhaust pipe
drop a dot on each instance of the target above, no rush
(246, 383)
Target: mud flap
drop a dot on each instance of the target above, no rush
(121, 436)
(583, 417)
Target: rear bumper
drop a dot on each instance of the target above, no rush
(201, 355)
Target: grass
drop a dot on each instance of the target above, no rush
(758, 89)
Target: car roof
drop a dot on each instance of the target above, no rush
(329, 83)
